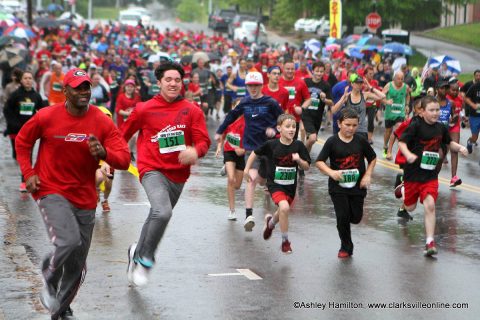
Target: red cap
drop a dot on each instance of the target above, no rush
(76, 77)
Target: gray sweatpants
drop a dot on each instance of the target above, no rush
(70, 230)
(163, 195)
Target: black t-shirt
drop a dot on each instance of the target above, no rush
(425, 141)
(467, 85)
(474, 94)
(281, 168)
(349, 157)
(315, 110)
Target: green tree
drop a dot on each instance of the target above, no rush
(189, 10)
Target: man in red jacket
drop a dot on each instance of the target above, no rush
(172, 136)
(74, 136)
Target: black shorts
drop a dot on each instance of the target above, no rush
(311, 124)
(260, 164)
(231, 156)
(390, 123)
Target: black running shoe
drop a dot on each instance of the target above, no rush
(67, 315)
(402, 213)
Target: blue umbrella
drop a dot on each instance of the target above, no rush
(52, 7)
(396, 47)
(452, 64)
(354, 52)
(313, 45)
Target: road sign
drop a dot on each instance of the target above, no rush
(373, 21)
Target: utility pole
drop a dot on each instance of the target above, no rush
(29, 13)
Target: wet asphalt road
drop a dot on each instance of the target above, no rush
(387, 266)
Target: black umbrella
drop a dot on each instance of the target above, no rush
(13, 56)
(9, 40)
(186, 59)
(213, 56)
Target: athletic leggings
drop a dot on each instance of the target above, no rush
(348, 209)
(163, 195)
(371, 112)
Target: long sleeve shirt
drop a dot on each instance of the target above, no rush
(165, 129)
(64, 164)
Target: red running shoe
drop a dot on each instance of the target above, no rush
(267, 232)
(286, 248)
(342, 254)
(430, 249)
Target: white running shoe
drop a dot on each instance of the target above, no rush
(131, 263)
(232, 216)
(223, 171)
(140, 275)
(249, 223)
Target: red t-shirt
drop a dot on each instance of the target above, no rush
(400, 158)
(154, 120)
(64, 164)
(281, 96)
(297, 94)
(302, 74)
(124, 103)
(234, 135)
(458, 103)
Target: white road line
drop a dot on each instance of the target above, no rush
(224, 274)
(247, 273)
(137, 204)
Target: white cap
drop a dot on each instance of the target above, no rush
(254, 78)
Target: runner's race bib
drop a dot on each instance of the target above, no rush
(113, 85)
(291, 92)
(26, 108)
(429, 160)
(155, 89)
(397, 108)
(233, 139)
(241, 91)
(285, 175)
(314, 104)
(264, 69)
(196, 99)
(171, 141)
(57, 86)
(349, 178)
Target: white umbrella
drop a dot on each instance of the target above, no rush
(156, 57)
(200, 55)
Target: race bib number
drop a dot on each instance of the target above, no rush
(233, 139)
(291, 92)
(264, 69)
(429, 160)
(196, 99)
(314, 104)
(241, 91)
(349, 178)
(285, 175)
(26, 108)
(155, 89)
(397, 108)
(113, 85)
(57, 86)
(171, 141)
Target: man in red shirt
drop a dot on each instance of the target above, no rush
(172, 136)
(74, 136)
(299, 97)
(273, 90)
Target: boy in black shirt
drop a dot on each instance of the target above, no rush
(283, 157)
(349, 179)
(420, 144)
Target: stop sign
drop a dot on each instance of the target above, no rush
(373, 20)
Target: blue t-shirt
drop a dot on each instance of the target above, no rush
(337, 92)
(259, 114)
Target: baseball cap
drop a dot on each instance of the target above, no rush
(356, 78)
(129, 81)
(254, 78)
(442, 83)
(76, 77)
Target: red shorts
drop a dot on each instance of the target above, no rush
(278, 196)
(455, 128)
(415, 190)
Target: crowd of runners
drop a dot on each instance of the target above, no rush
(104, 97)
